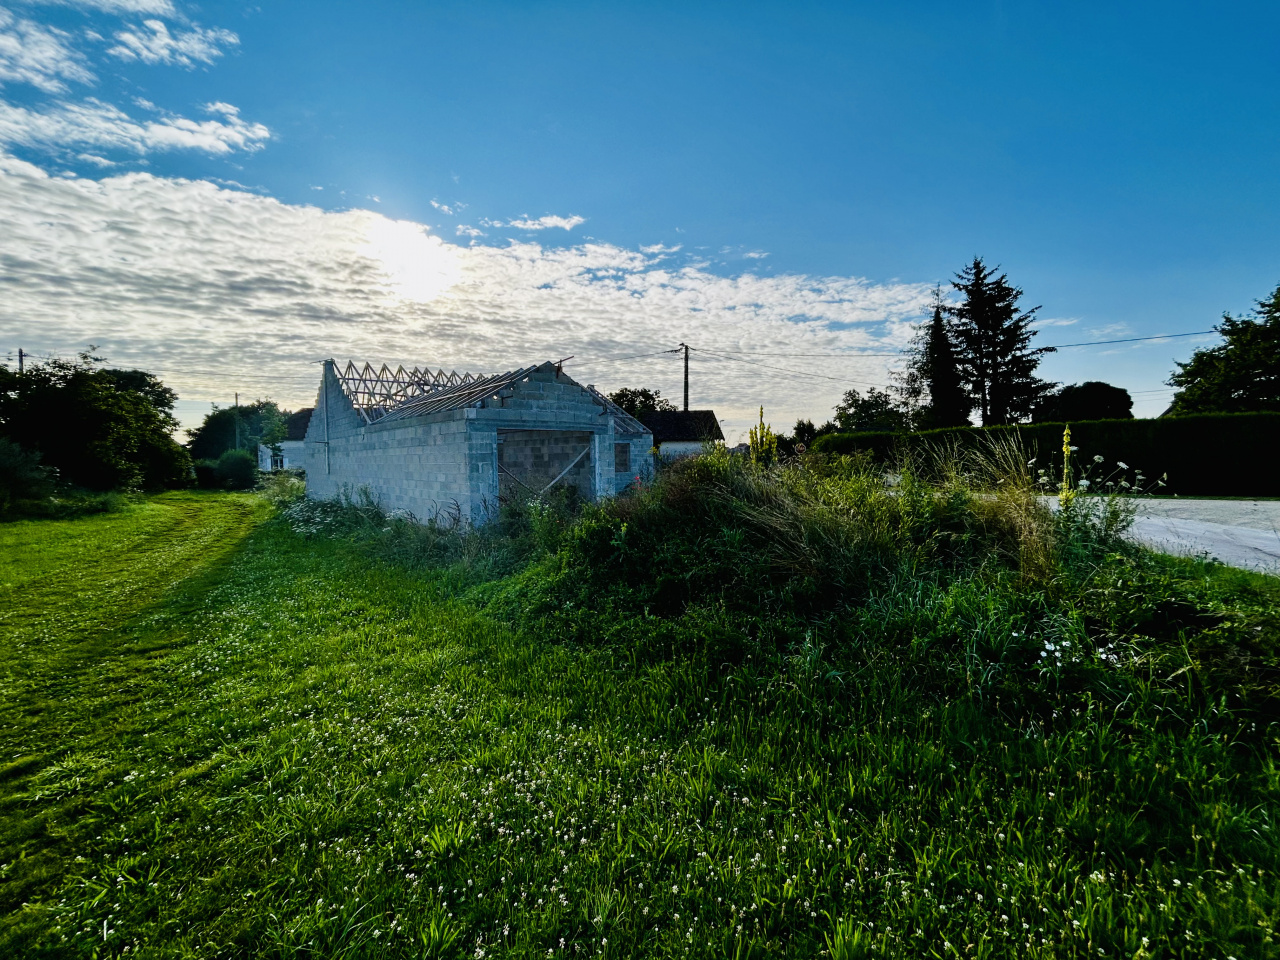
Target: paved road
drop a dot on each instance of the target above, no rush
(1242, 533)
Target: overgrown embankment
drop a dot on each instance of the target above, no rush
(742, 712)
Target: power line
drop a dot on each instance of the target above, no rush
(1165, 336)
(798, 373)
(638, 356)
(1056, 346)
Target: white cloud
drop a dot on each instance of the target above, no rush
(755, 254)
(161, 7)
(221, 290)
(542, 223)
(160, 46)
(443, 208)
(93, 123)
(38, 55)
(465, 230)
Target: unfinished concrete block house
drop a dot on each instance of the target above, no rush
(455, 446)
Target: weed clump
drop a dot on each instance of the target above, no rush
(950, 575)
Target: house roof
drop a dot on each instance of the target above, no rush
(295, 425)
(673, 426)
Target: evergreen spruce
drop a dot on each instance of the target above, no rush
(931, 385)
(992, 337)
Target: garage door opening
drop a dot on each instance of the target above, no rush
(533, 463)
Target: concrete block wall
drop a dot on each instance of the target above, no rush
(641, 461)
(422, 465)
(544, 402)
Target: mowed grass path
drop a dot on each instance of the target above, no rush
(84, 676)
(221, 739)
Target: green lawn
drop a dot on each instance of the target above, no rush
(218, 738)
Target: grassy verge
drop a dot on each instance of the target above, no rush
(738, 736)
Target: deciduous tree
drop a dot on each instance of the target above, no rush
(878, 410)
(1239, 375)
(240, 427)
(99, 428)
(1091, 400)
(640, 401)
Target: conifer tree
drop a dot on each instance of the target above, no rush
(930, 384)
(992, 337)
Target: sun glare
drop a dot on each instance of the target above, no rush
(418, 266)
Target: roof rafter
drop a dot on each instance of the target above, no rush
(375, 393)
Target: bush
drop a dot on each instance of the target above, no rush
(70, 502)
(206, 472)
(236, 470)
(22, 476)
(1207, 455)
(28, 490)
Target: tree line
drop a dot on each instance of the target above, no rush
(976, 357)
(71, 430)
(77, 425)
(80, 425)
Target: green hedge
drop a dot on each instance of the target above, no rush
(1221, 454)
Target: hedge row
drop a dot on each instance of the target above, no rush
(1223, 454)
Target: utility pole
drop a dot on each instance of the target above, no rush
(686, 376)
(237, 410)
(21, 355)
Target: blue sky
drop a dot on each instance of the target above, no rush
(699, 163)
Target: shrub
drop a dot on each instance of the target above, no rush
(206, 474)
(770, 552)
(71, 502)
(236, 470)
(22, 476)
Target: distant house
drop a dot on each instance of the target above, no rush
(453, 445)
(682, 433)
(291, 452)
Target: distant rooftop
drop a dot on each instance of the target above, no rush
(295, 425)
(675, 426)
